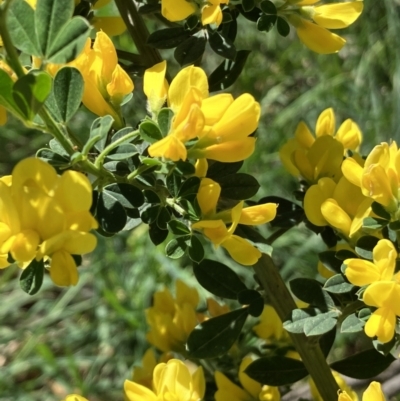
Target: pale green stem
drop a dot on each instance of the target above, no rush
(308, 347)
(112, 146)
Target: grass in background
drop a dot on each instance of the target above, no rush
(86, 339)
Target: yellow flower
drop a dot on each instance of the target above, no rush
(372, 393)
(214, 226)
(314, 21)
(178, 10)
(341, 205)
(250, 390)
(221, 124)
(270, 326)
(74, 397)
(106, 82)
(171, 381)
(379, 178)
(322, 155)
(172, 320)
(44, 215)
(352, 395)
(383, 291)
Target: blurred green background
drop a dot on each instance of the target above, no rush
(86, 339)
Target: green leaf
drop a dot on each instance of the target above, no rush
(173, 183)
(150, 132)
(252, 15)
(191, 22)
(268, 7)
(21, 27)
(276, 370)
(248, 5)
(338, 284)
(254, 299)
(164, 119)
(330, 261)
(168, 38)
(283, 27)
(110, 214)
(222, 46)
(352, 324)
(219, 169)
(310, 291)
(178, 228)
(123, 152)
(31, 279)
(54, 159)
(177, 247)
(380, 211)
(31, 91)
(149, 214)
(219, 279)
(238, 186)
(50, 17)
(371, 224)
(157, 235)
(163, 218)
(69, 42)
(191, 49)
(189, 187)
(127, 195)
(311, 321)
(68, 91)
(266, 22)
(215, 336)
(100, 128)
(227, 72)
(363, 365)
(184, 168)
(365, 245)
(196, 250)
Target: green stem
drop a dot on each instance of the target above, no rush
(113, 145)
(12, 55)
(308, 348)
(138, 31)
(138, 171)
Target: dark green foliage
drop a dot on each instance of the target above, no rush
(215, 336)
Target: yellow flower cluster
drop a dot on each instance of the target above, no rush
(214, 224)
(313, 21)
(178, 10)
(383, 291)
(372, 393)
(222, 125)
(171, 381)
(332, 198)
(171, 320)
(106, 82)
(43, 215)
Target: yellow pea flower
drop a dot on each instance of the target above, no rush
(341, 205)
(221, 124)
(172, 320)
(250, 390)
(363, 272)
(106, 83)
(318, 156)
(214, 226)
(379, 178)
(314, 21)
(43, 215)
(373, 393)
(270, 326)
(385, 296)
(178, 10)
(171, 381)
